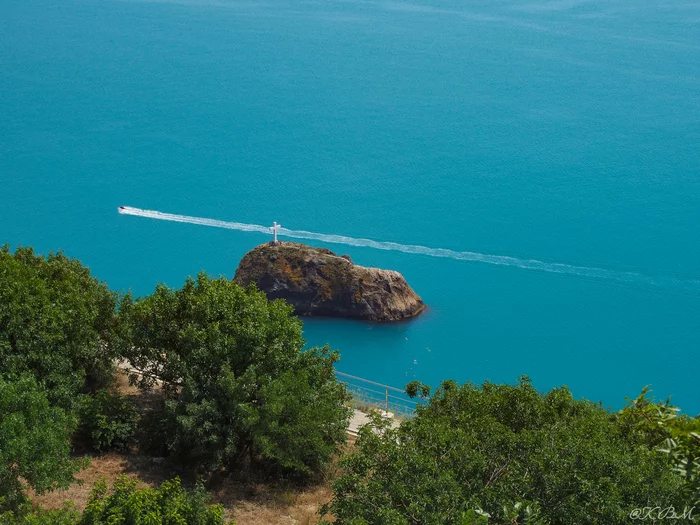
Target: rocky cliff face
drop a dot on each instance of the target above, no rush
(318, 282)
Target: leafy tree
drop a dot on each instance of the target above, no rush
(56, 322)
(660, 426)
(34, 442)
(108, 420)
(505, 451)
(240, 388)
(168, 504)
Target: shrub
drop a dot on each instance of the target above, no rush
(34, 442)
(659, 426)
(168, 504)
(26, 515)
(108, 420)
(56, 322)
(240, 387)
(126, 504)
(507, 451)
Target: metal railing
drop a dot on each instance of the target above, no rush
(377, 395)
(366, 394)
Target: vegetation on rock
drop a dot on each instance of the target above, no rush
(318, 282)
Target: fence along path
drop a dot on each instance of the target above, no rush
(389, 399)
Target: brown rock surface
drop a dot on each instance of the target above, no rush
(317, 282)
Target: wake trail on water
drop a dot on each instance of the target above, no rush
(691, 286)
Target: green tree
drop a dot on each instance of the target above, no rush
(108, 420)
(168, 504)
(507, 451)
(663, 428)
(56, 322)
(34, 442)
(240, 388)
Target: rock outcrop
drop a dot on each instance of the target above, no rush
(317, 282)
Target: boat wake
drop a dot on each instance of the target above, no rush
(687, 286)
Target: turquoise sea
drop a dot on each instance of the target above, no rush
(566, 131)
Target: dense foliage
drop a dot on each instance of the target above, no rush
(126, 504)
(506, 451)
(108, 420)
(168, 504)
(660, 426)
(26, 515)
(34, 442)
(241, 393)
(240, 388)
(56, 322)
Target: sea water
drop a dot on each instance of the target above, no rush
(562, 131)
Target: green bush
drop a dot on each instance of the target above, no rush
(108, 420)
(513, 453)
(168, 504)
(240, 388)
(34, 442)
(677, 436)
(26, 515)
(126, 504)
(56, 322)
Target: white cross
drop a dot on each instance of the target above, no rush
(274, 230)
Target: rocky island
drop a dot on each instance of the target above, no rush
(317, 282)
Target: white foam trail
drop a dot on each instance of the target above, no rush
(687, 285)
(151, 214)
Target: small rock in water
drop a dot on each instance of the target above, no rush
(317, 282)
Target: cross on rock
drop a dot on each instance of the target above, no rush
(275, 227)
